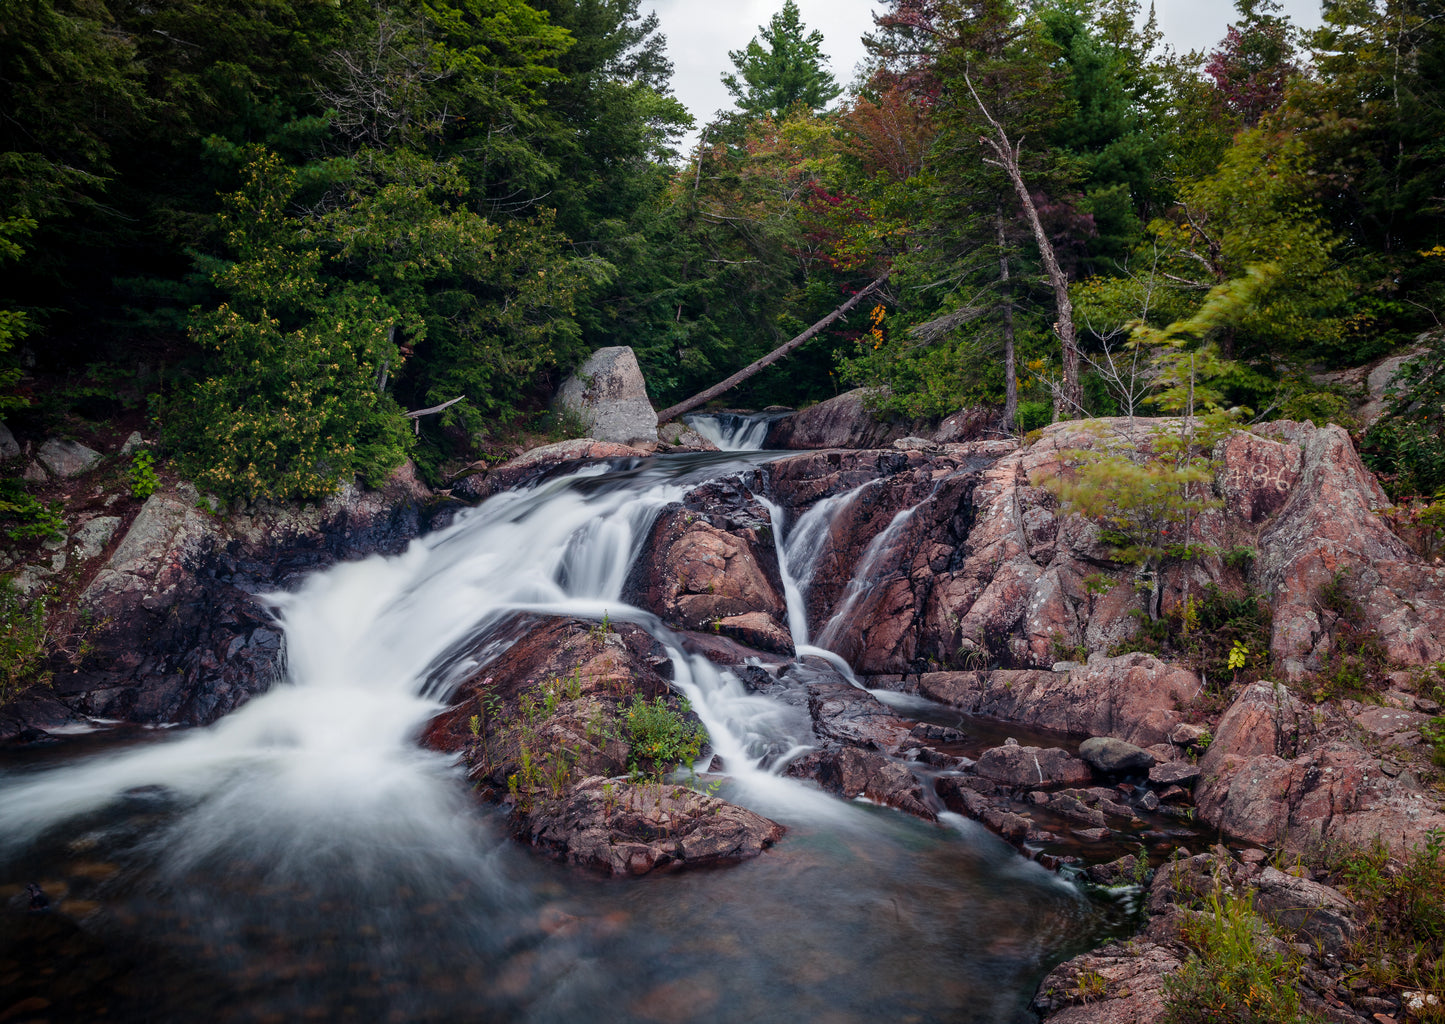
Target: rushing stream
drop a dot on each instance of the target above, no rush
(304, 858)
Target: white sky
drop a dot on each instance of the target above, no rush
(701, 32)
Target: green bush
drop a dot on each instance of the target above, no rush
(1401, 943)
(27, 517)
(143, 479)
(661, 737)
(24, 645)
(1233, 974)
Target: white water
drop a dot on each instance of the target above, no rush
(373, 649)
(731, 432)
(863, 578)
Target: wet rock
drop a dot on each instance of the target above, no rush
(610, 397)
(627, 828)
(845, 713)
(719, 578)
(680, 435)
(1113, 756)
(852, 772)
(1174, 773)
(67, 459)
(1032, 767)
(180, 637)
(841, 422)
(1123, 871)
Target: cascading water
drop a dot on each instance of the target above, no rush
(303, 857)
(732, 431)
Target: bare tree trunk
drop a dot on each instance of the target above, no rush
(769, 359)
(1010, 371)
(1068, 398)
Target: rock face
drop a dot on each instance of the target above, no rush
(562, 457)
(847, 422)
(1133, 697)
(67, 459)
(709, 565)
(969, 564)
(1272, 777)
(609, 395)
(180, 638)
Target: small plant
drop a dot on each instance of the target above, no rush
(1233, 974)
(1091, 986)
(661, 738)
(27, 517)
(142, 473)
(1433, 733)
(24, 642)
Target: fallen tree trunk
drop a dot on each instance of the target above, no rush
(768, 360)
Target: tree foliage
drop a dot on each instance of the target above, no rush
(781, 67)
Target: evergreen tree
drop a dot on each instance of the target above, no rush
(782, 68)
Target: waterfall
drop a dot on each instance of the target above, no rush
(374, 648)
(732, 431)
(303, 858)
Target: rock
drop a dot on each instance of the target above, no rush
(844, 712)
(179, 636)
(1115, 984)
(1113, 756)
(9, 447)
(34, 474)
(841, 422)
(721, 578)
(564, 456)
(1174, 773)
(610, 397)
(1123, 871)
(680, 435)
(628, 828)
(1328, 527)
(915, 444)
(1132, 697)
(133, 442)
(1306, 908)
(1032, 767)
(91, 538)
(852, 772)
(1262, 782)
(67, 459)
(1381, 377)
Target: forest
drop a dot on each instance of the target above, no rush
(274, 227)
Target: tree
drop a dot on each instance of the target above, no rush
(783, 69)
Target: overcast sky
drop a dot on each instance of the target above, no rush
(701, 32)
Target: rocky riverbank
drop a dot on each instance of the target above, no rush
(989, 658)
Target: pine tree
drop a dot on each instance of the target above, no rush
(781, 67)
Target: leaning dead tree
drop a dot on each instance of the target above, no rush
(1069, 396)
(771, 358)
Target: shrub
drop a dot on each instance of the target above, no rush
(27, 517)
(661, 737)
(1233, 974)
(1403, 917)
(142, 472)
(24, 646)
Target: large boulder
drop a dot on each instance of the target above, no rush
(67, 459)
(610, 397)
